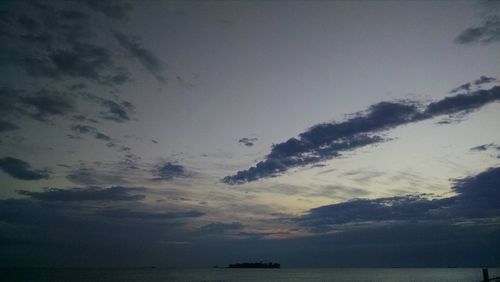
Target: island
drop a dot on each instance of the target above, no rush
(255, 265)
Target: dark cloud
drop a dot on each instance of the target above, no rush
(144, 56)
(86, 129)
(82, 60)
(116, 193)
(82, 129)
(113, 9)
(146, 215)
(464, 87)
(116, 112)
(169, 171)
(7, 126)
(86, 227)
(486, 33)
(486, 147)
(467, 87)
(219, 228)
(328, 140)
(462, 102)
(22, 170)
(248, 141)
(476, 198)
(57, 40)
(42, 105)
(77, 86)
(116, 109)
(86, 61)
(55, 43)
(83, 118)
(102, 136)
(484, 79)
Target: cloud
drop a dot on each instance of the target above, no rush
(169, 171)
(86, 129)
(484, 79)
(7, 126)
(478, 82)
(22, 170)
(55, 43)
(42, 105)
(88, 226)
(486, 147)
(144, 56)
(82, 129)
(58, 41)
(486, 33)
(488, 29)
(91, 176)
(328, 140)
(45, 105)
(219, 228)
(112, 9)
(248, 141)
(102, 136)
(146, 215)
(116, 112)
(83, 118)
(115, 193)
(82, 60)
(464, 87)
(476, 198)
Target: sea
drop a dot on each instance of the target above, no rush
(222, 274)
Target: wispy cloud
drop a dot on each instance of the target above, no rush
(144, 56)
(486, 33)
(111, 8)
(127, 213)
(116, 193)
(91, 176)
(41, 105)
(488, 30)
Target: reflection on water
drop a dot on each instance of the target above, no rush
(292, 274)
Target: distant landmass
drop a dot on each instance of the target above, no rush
(255, 265)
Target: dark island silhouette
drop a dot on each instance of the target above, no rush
(259, 264)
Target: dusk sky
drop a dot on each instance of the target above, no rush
(196, 133)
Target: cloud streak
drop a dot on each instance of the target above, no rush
(486, 33)
(116, 193)
(144, 56)
(328, 140)
(22, 170)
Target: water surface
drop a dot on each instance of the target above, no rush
(274, 275)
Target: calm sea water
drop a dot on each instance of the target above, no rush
(212, 275)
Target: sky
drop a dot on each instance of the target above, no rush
(201, 133)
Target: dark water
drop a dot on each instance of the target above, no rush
(292, 274)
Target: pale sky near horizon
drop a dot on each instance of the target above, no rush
(169, 98)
